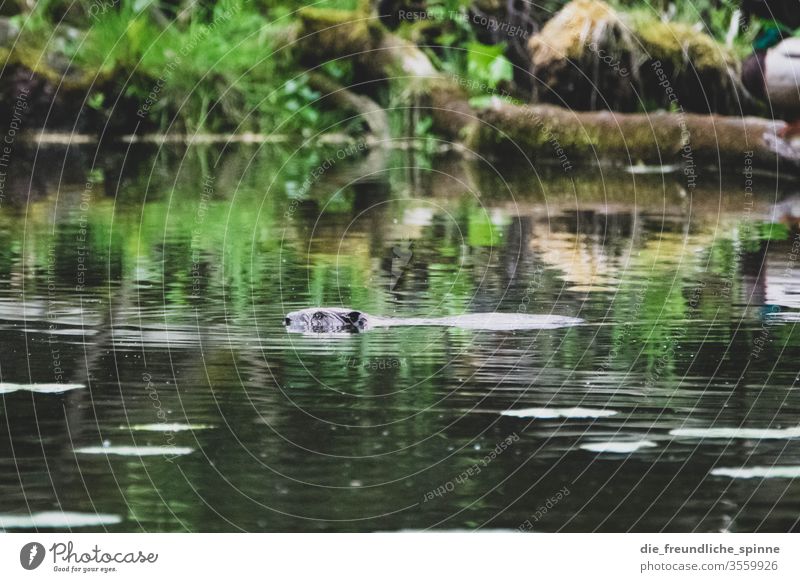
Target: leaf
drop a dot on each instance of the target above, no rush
(423, 126)
(310, 114)
(501, 69)
(139, 5)
(480, 56)
(96, 100)
(487, 64)
(447, 39)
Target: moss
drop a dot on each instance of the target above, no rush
(568, 32)
(326, 16)
(682, 45)
(539, 131)
(490, 5)
(34, 59)
(542, 133)
(338, 32)
(703, 73)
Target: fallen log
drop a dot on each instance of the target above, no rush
(661, 138)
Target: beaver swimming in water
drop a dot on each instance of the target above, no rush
(336, 319)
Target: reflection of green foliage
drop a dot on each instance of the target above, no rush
(341, 201)
(657, 306)
(339, 279)
(752, 237)
(482, 232)
(774, 231)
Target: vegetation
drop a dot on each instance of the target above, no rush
(239, 65)
(222, 68)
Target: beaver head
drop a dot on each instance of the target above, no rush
(326, 320)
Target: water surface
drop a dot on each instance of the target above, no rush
(151, 284)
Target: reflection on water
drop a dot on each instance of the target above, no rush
(152, 288)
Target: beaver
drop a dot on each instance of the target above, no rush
(326, 320)
(337, 319)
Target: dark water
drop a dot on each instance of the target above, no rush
(154, 281)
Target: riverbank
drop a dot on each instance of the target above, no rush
(341, 73)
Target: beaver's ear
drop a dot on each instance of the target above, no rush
(354, 316)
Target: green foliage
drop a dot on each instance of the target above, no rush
(486, 64)
(116, 40)
(223, 68)
(228, 65)
(711, 16)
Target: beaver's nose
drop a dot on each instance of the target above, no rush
(287, 321)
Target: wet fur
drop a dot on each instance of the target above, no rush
(326, 320)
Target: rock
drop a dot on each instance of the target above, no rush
(704, 75)
(568, 59)
(591, 57)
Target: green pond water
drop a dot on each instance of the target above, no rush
(148, 383)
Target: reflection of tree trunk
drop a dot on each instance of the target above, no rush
(369, 168)
(754, 276)
(59, 429)
(78, 413)
(540, 131)
(517, 247)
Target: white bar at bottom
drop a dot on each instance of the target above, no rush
(407, 557)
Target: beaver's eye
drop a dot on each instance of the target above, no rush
(318, 315)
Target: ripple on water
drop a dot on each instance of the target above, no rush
(128, 451)
(9, 387)
(166, 427)
(787, 472)
(69, 332)
(618, 447)
(738, 433)
(591, 289)
(57, 519)
(559, 413)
